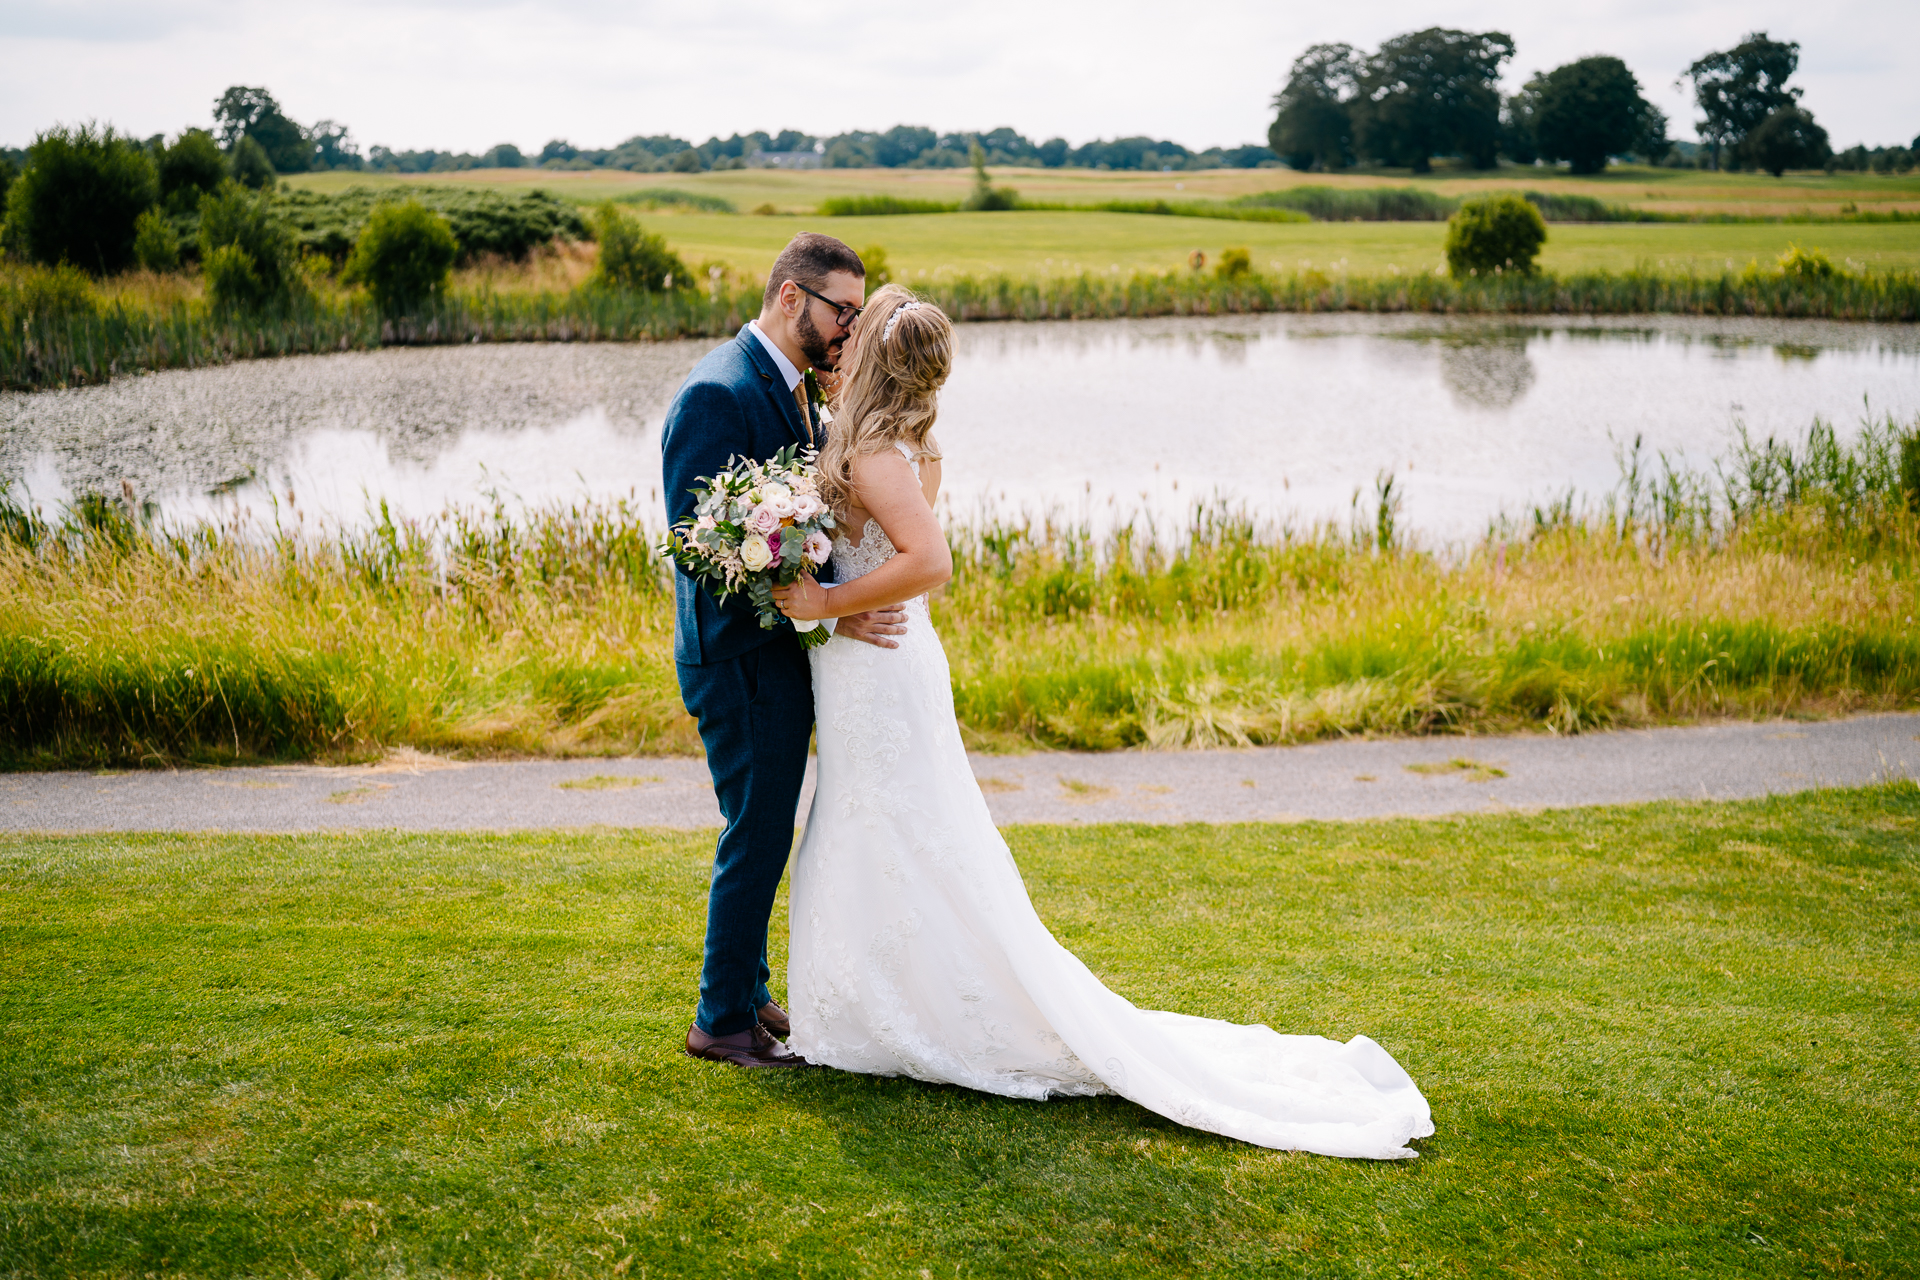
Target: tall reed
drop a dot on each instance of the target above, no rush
(1782, 582)
(90, 341)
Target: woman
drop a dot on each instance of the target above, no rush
(915, 950)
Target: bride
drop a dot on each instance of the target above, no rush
(915, 950)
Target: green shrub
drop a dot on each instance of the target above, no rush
(44, 293)
(673, 197)
(1807, 264)
(261, 273)
(874, 258)
(403, 256)
(79, 198)
(1349, 204)
(509, 224)
(875, 207)
(632, 258)
(1492, 234)
(156, 245)
(985, 197)
(190, 168)
(234, 280)
(251, 167)
(1233, 264)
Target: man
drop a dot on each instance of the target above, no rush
(751, 688)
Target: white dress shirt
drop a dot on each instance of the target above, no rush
(780, 361)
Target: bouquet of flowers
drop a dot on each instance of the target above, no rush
(756, 526)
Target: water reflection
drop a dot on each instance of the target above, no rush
(1089, 419)
(1494, 374)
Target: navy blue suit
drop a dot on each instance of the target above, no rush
(750, 688)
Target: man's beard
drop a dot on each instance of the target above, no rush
(820, 353)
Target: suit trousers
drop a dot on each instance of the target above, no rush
(756, 718)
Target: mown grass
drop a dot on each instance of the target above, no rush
(1049, 243)
(1790, 590)
(802, 191)
(1659, 1041)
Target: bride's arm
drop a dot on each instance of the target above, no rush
(891, 493)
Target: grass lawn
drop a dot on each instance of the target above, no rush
(1658, 1040)
(1046, 243)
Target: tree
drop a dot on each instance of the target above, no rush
(1497, 233)
(404, 256)
(332, 147)
(1653, 145)
(1739, 88)
(243, 112)
(985, 197)
(1787, 139)
(78, 201)
(1313, 124)
(1054, 152)
(189, 168)
(503, 156)
(1432, 92)
(1589, 110)
(1520, 122)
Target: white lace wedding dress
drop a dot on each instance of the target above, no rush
(915, 950)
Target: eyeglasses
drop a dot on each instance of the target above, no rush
(843, 315)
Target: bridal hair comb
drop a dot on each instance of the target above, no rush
(894, 319)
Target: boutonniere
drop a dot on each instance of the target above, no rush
(817, 397)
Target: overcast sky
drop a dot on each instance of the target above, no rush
(421, 74)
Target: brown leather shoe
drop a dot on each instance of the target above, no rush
(754, 1047)
(775, 1019)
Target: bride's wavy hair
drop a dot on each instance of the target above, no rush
(887, 387)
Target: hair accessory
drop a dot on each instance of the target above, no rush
(894, 319)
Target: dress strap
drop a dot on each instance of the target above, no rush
(906, 451)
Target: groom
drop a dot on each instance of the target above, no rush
(751, 689)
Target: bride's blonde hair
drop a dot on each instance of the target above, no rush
(899, 359)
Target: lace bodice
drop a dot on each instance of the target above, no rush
(855, 560)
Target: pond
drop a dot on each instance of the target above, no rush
(1290, 414)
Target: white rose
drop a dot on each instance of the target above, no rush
(755, 553)
(773, 491)
(806, 507)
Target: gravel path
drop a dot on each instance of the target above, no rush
(1352, 779)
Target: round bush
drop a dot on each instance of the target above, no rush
(261, 273)
(156, 245)
(1497, 233)
(79, 198)
(403, 256)
(189, 169)
(631, 258)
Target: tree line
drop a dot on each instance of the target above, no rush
(1435, 93)
(251, 125)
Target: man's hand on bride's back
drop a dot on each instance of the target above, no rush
(875, 626)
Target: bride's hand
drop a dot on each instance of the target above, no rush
(803, 601)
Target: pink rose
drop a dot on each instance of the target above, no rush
(763, 520)
(818, 548)
(806, 507)
(773, 544)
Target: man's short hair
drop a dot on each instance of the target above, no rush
(808, 259)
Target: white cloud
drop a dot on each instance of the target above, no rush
(422, 73)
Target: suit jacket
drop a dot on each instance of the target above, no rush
(733, 404)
